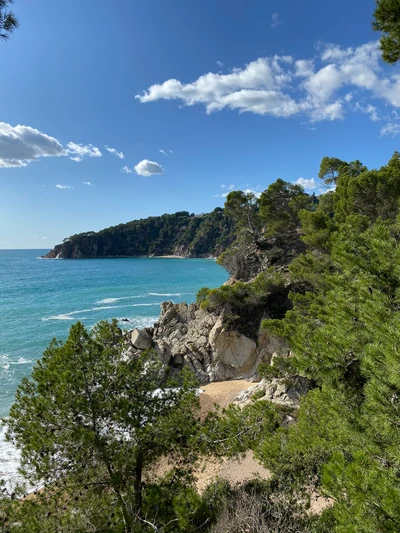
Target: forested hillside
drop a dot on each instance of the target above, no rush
(180, 234)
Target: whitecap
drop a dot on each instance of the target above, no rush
(165, 294)
(113, 300)
(143, 305)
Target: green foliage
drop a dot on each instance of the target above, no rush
(202, 294)
(90, 422)
(387, 21)
(280, 205)
(193, 235)
(243, 305)
(373, 194)
(233, 431)
(8, 21)
(245, 210)
(318, 225)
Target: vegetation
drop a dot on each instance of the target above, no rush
(180, 234)
(8, 21)
(387, 21)
(91, 421)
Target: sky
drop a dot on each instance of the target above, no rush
(114, 112)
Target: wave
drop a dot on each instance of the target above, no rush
(113, 300)
(9, 461)
(71, 315)
(169, 293)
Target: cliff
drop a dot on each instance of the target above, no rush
(180, 234)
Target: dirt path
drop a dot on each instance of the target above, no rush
(240, 470)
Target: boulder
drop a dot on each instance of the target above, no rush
(141, 339)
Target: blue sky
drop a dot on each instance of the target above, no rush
(235, 92)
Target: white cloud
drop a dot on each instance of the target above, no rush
(318, 88)
(170, 151)
(392, 129)
(126, 170)
(20, 145)
(87, 183)
(368, 110)
(115, 152)
(148, 168)
(79, 151)
(308, 184)
(44, 238)
(219, 64)
(254, 191)
(64, 186)
(275, 20)
(164, 152)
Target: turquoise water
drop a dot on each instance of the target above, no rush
(40, 299)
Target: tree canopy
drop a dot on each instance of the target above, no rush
(387, 21)
(8, 21)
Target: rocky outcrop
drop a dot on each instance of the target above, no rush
(287, 391)
(187, 336)
(246, 261)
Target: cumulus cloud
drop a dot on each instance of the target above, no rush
(148, 168)
(308, 184)
(275, 20)
(87, 183)
(21, 145)
(64, 186)
(318, 88)
(115, 152)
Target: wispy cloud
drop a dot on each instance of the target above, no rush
(392, 129)
(88, 183)
(164, 152)
(127, 170)
(219, 64)
(114, 151)
(275, 20)
(59, 186)
(79, 151)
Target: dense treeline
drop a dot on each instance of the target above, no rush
(177, 234)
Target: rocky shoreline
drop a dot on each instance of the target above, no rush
(187, 336)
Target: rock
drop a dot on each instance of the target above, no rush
(186, 335)
(281, 391)
(141, 339)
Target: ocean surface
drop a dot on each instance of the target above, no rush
(40, 299)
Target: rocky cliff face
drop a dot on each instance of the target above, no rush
(186, 336)
(244, 262)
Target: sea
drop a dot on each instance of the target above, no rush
(41, 298)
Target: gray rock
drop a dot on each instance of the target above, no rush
(141, 339)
